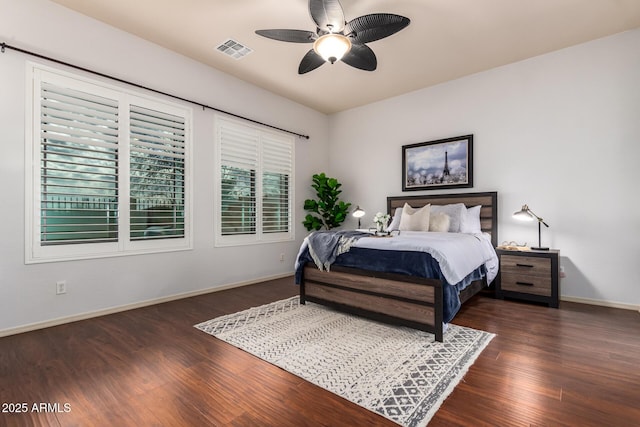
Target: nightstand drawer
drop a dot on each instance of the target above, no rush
(528, 284)
(525, 265)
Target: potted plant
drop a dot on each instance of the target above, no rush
(327, 211)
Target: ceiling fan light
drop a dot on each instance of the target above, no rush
(332, 47)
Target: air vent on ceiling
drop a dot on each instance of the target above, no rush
(234, 49)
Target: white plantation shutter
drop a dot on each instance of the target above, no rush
(78, 166)
(108, 171)
(255, 175)
(157, 174)
(239, 162)
(277, 162)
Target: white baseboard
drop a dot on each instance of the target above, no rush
(601, 303)
(112, 310)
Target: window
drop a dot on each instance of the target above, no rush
(255, 184)
(156, 173)
(108, 171)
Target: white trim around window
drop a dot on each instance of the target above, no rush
(108, 170)
(254, 184)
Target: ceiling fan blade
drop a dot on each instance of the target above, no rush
(376, 26)
(310, 62)
(293, 36)
(327, 14)
(361, 56)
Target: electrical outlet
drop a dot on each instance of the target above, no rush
(562, 273)
(281, 257)
(61, 287)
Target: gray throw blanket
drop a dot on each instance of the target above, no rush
(325, 246)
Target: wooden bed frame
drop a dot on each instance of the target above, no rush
(397, 298)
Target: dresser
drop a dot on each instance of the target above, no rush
(529, 276)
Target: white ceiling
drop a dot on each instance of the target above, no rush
(446, 39)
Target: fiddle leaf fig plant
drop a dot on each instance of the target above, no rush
(327, 211)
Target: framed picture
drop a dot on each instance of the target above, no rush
(445, 163)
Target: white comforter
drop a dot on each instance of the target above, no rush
(457, 253)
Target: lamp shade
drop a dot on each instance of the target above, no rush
(523, 214)
(332, 47)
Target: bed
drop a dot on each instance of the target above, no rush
(410, 290)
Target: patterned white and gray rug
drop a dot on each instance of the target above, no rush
(399, 373)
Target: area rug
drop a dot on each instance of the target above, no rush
(399, 373)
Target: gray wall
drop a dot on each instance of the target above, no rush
(559, 132)
(27, 292)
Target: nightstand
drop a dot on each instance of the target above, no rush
(529, 275)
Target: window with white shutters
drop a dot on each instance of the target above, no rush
(277, 164)
(108, 171)
(157, 167)
(255, 184)
(78, 167)
(238, 166)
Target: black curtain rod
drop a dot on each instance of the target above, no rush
(4, 46)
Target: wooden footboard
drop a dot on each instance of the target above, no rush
(393, 298)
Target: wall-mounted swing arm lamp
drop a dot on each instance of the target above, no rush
(358, 213)
(526, 214)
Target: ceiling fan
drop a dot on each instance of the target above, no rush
(335, 39)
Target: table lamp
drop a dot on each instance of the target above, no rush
(526, 214)
(358, 213)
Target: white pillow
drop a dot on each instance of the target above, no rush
(439, 222)
(395, 222)
(415, 219)
(455, 211)
(471, 221)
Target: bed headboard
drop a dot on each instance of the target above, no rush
(488, 212)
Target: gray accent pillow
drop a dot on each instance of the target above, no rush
(455, 212)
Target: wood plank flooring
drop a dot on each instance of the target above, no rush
(574, 366)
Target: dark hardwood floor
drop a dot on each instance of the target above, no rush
(574, 366)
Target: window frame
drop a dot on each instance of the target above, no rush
(259, 237)
(35, 252)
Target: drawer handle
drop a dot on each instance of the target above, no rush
(524, 265)
(524, 284)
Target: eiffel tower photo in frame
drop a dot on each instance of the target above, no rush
(445, 163)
